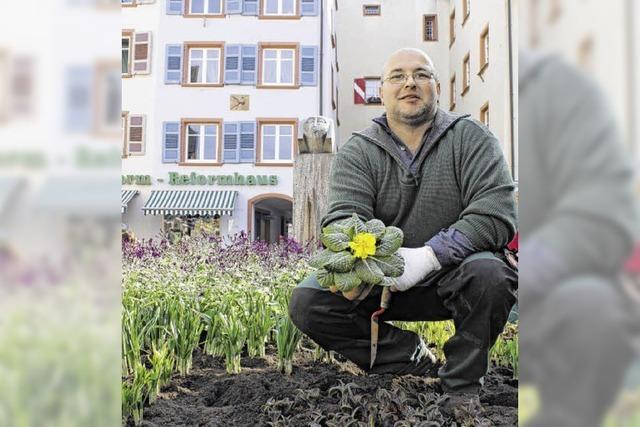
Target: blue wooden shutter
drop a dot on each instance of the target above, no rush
(309, 7)
(174, 7)
(173, 64)
(233, 7)
(170, 142)
(250, 7)
(247, 142)
(309, 65)
(232, 63)
(231, 137)
(79, 83)
(249, 63)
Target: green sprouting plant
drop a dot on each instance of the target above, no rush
(185, 327)
(287, 339)
(162, 363)
(259, 320)
(358, 252)
(134, 393)
(505, 351)
(233, 339)
(131, 341)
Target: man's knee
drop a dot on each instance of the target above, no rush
(491, 278)
(299, 307)
(587, 299)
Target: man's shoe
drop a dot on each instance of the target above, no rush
(464, 408)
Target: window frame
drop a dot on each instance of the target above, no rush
(128, 34)
(372, 78)
(452, 92)
(183, 142)
(452, 27)
(188, 14)
(484, 48)
(124, 120)
(260, 122)
(365, 6)
(485, 113)
(466, 11)
(434, 19)
(186, 63)
(262, 8)
(466, 74)
(100, 125)
(296, 68)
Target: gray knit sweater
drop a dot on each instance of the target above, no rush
(463, 182)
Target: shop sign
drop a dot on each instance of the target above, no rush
(235, 179)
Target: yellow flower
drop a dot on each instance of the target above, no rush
(363, 245)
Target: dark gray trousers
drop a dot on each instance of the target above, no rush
(477, 294)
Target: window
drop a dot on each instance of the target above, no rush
(466, 74)
(333, 88)
(136, 53)
(452, 27)
(204, 65)
(276, 141)
(204, 8)
(22, 86)
(372, 90)
(133, 144)
(466, 10)
(279, 8)
(430, 28)
(452, 93)
(555, 11)
(109, 97)
(484, 48)
(200, 143)
(127, 37)
(484, 114)
(123, 123)
(128, 3)
(371, 10)
(278, 65)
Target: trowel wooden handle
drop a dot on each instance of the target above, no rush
(386, 297)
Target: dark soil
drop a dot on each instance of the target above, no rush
(318, 394)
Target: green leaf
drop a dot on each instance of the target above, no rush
(358, 224)
(320, 259)
(341, 262)
(390, 242)
(391, 266)
(335, 241)
(347, 281)
(375, 227)
(369, 272)
(325, 278)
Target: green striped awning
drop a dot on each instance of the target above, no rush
(179, 202)
(127, 195)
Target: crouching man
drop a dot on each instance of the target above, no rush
(443, 180)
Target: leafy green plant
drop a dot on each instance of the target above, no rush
(233, 338)
(287, 339)
(134, 393)
(358, 252)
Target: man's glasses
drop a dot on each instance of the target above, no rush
(418, 77)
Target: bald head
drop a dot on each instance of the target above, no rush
(404, 52)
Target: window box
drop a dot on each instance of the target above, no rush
(278, 65)
(203, 64)
(276, 142)
(200, 142)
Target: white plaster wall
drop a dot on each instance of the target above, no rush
(159, 102)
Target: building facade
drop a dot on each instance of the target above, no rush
(214, 96)
(468, 41)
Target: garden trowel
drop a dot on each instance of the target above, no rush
(384, 304)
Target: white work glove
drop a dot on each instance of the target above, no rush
(418, 263)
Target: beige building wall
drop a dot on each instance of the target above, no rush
(364, 43)
(489, 86)
(592, 36)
